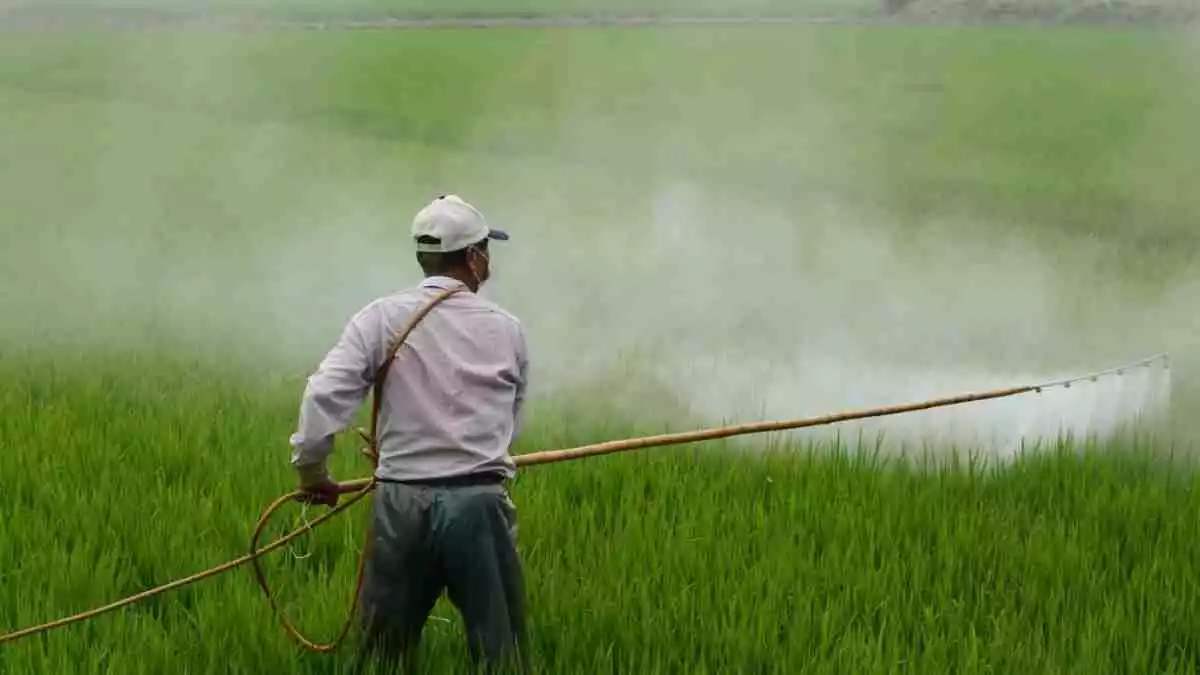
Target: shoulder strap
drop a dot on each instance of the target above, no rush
(372, 437)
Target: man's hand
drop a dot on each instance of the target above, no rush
(323, 491)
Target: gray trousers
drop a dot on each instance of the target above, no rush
(426, 540)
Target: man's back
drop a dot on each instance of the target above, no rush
(453, 395)
(452, 398)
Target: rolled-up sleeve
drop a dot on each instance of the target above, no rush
(333, 394)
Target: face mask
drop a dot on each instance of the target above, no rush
(475, 273)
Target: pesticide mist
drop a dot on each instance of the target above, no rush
(757, 239)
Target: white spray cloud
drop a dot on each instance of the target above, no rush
(655, 284)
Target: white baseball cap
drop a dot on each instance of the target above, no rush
(454, 223)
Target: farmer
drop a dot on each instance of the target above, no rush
(451, 405)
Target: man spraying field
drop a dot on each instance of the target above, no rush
(442, 518)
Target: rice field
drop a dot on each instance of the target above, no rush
(188, 217)
(1167, 11)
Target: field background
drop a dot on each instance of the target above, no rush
(1056, 10)
(710, 222)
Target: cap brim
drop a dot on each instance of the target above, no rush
(500, 235)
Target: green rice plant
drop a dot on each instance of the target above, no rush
(689, 558)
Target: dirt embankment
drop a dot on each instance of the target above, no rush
(1067, 11)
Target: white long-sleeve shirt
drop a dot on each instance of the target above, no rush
(452, 398)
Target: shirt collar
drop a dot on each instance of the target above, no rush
(443, 282)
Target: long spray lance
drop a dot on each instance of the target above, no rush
(360, 489)
(683, 438)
